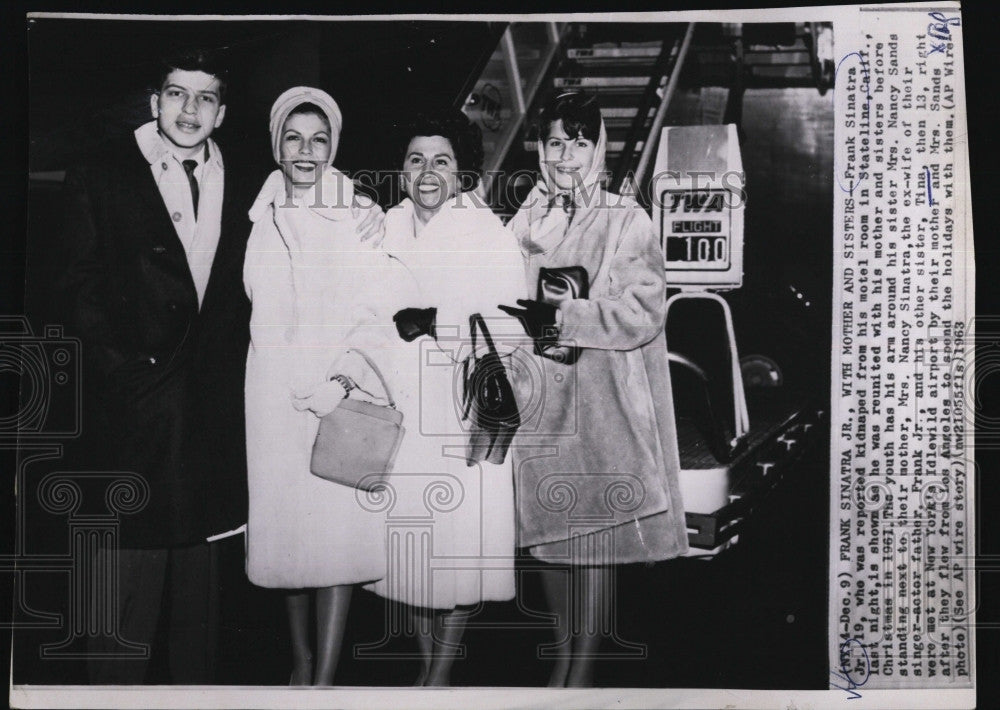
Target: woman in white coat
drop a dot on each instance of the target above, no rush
(317, 292)
(460, 551)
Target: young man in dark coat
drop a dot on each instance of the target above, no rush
(155, 239)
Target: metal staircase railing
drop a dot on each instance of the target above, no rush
(668, 53)
(507, 87)
(661, 112)
(669, 63)
(636, 74)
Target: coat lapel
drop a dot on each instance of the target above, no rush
(156, 222)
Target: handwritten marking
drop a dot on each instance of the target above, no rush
(930, 197)
(940, 29)
(852, 685)
(868, 100)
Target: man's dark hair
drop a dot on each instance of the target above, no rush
(465, 137)
(201, 60)
(579, 113)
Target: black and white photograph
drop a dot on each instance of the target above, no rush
(365, 357)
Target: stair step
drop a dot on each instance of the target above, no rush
(605, 71)
(777, 58)
(712, 57)
(616, 55)
(643, 44)
(727, 49)
(629, 112)
(633, 83)
(783, 70)
(619, 132)
(800, 45)
(621, 126)
(755, 58)
(622, 117)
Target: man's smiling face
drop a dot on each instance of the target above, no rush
(187, 109)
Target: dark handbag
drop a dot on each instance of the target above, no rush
(357, 442)
(488, 401)
(554, 287)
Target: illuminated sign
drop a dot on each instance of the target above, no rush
(698, 205)
(691, 242)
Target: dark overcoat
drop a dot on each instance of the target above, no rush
(163, 379)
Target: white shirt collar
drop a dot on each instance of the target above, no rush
(154, 148)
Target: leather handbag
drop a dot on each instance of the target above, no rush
(554, 287)
(357, 442)
(488, 401)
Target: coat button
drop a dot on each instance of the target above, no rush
(177, 216)
(173, 306)
(152, 361)
(163, 165)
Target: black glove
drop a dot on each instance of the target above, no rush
(411, 323)
(537, 318)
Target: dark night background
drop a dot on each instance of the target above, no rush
(90, 79)
(717, 624)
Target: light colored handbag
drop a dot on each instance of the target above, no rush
(357, 442)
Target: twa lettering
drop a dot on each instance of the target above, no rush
(697, 201)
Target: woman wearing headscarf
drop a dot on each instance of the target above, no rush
(455, 546)
(317, 292)
(606, 492)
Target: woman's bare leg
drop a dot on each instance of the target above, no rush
(332, 604)
(593, 618)
(423, 625)
(297, 604)
(448, 629)
(556, 583)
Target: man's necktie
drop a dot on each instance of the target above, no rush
(189, 166)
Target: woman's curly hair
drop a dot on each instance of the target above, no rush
(465, 137)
